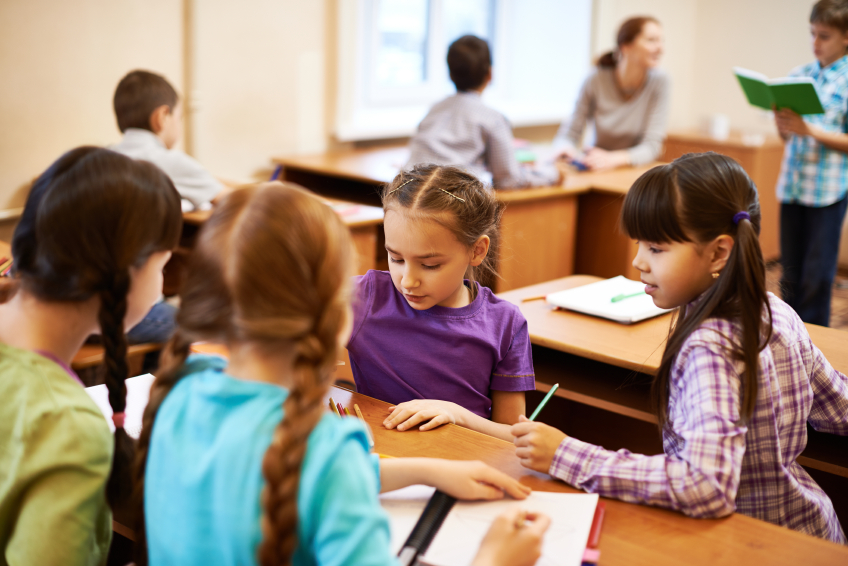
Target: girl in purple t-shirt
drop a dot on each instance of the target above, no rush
(427, 337)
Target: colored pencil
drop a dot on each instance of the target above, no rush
(544, 402)
(334, 407)
(367, 428)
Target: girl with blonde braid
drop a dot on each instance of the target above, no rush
(238, 461)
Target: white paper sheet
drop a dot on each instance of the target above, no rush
(596, 299)
(138, 393)
(462, 532)
(404, 507)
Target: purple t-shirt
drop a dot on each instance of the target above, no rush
(399, 354)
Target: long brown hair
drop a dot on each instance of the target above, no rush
(627, 34)
(469, 211)
(271, 268)
(88, 218)
(694, 199)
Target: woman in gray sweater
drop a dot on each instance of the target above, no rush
(626, 96)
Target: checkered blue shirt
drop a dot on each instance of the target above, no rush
(712, 464)
(811, 174)
(462, 131)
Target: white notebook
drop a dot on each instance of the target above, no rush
(596, 299)
(138, 393)
(463, 530)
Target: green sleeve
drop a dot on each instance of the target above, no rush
(63, 516)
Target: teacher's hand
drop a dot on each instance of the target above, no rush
(598, 159)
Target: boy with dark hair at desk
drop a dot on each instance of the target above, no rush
(149, 115)
(464, 132)
(814, 176)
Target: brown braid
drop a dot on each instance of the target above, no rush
(270, 269)
(113, 308)
(173, 357)
(89, 218)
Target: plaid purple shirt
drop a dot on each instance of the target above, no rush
(712, 465)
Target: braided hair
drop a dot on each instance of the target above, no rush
(89, 218)
(271, 268)
(456, 200)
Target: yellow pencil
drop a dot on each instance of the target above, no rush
(335, 408)
(367, 428)
(347, 412)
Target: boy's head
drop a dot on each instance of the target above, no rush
(829, 30)
(147, 101)
(469, 63)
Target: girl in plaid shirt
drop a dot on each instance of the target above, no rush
(739, 379)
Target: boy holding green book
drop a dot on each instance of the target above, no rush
(814, 175)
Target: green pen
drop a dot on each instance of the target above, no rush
(544, 402)
(622, 296)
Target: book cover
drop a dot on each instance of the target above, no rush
(799, 94)
(596, 299)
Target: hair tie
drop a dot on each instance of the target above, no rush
(742, 215)
(118, 419)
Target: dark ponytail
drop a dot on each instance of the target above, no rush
(627, 34)
(695, 199)
(89, 218)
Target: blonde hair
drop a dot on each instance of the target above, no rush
(271, 267)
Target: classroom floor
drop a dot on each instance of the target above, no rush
(838, 302)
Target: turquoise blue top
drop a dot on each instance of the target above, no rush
(204, 478)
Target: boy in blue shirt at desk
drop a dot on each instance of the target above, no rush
(814, 176)
(464, 132)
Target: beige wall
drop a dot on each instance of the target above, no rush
(60, 62)
(260, 74)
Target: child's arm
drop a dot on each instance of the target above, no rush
(701, 479)
(437, 413)
(462, 479)
(830, 395)
(788, 122)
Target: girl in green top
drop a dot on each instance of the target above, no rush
(243, 464)
(96, 231)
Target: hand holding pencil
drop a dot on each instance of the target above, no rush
(536, 443)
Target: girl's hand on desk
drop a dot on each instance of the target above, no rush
(407, 415)
(465, 479)
(536, 443)
(514, 539)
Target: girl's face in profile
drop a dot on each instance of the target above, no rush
(145, 288)
(674, 273)
(647, 48)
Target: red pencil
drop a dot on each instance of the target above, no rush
(597, 523)
(341, 409)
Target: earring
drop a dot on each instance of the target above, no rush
(715, 275)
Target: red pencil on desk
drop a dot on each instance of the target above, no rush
(592, 554)
(341, 409)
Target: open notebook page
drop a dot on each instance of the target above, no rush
(462, 532)
(404, 507)
(138, 392)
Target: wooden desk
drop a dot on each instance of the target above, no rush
(608, 367)
(632, 534)
(545, 231)
(762, 163)
(5, 249)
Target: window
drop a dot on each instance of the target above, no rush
(392, 59)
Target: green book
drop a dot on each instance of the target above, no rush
(799, 94)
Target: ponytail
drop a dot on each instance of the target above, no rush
(608, 60)
(698, 198)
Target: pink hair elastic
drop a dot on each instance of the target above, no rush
(742, 215)
(118, 419)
